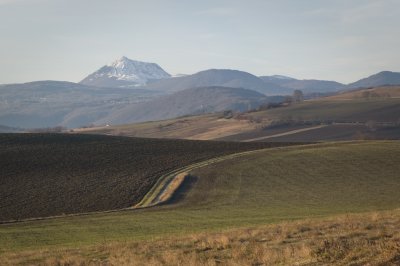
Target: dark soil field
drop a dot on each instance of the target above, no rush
(55, 174)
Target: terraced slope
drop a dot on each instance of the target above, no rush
(273, 185)
(55, 174)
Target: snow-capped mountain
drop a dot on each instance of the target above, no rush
(125, 72)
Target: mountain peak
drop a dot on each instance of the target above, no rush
(126, 60)
(125, 72)
(378, 79)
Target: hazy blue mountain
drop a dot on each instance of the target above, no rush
(125, 72)
(307, 85)
(6, 129)
(189, 102)
(379, 79)
(58, 103)
(277, 79)
(218, 77)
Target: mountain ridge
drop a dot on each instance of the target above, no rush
(218, 77)
(192, 101)
(379, 79)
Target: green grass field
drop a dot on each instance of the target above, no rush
(276, 185)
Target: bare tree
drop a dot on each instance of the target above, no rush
(298, 96)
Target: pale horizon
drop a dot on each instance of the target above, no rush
(68, 40)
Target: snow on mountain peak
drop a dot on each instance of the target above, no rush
(127, 70)
(136, 71)
(281, 77)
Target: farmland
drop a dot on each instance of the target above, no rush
(201, 127)
(55, 174)
(355, 110)
(271, 186)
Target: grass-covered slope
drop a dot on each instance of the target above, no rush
(328, 178)
(273, 185)
(54, 174)
(356, 110)
(353, 239)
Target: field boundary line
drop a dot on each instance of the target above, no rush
(291, 132)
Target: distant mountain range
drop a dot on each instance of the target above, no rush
(128, 91)
(125, 72)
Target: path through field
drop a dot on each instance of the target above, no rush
(169, 183)
(285, 133)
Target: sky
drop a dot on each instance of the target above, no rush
(67, 40)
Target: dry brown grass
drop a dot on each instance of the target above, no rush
(356, 239)
(377, 92)
(201, 127)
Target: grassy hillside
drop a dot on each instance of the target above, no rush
(55, 174)
(274, 185)
(357, 110)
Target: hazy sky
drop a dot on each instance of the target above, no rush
(340, 40)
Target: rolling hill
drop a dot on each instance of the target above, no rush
(44, 104)
(266, 187)
(67, 174)
(344, 116)
(193, 101)
(200, 127)
(307, 85)
(218, 77)
(326, 120)
(370, 93)
(380, 79)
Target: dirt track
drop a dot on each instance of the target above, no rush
(285, 133)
